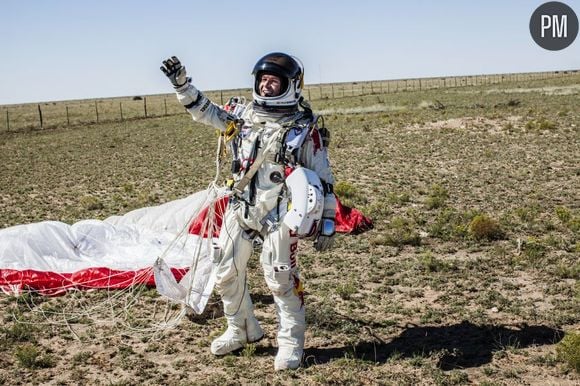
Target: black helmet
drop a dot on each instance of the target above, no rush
(291, 74)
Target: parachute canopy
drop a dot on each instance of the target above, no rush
(52, 257)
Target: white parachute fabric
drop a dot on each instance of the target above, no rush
(193, 290)
(53, 246)
(53, 257)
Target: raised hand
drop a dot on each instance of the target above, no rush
(173, 69)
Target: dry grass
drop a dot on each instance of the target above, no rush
(421, 298)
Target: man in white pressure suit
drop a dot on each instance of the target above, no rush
(282, 190)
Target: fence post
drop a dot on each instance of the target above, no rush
(40, 117)
(332, 86)
(121, 110)
(165, 103)
(67, 118)
(309, 95)
(7, 121)
(97, 111)
(145, 106)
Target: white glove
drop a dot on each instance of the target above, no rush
(187, 94)
(325, 238)
(327, 230)
(173, 69)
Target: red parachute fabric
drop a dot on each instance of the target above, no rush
(351, 220)
(50, 283)
(197, 225)
(57, 281)
(348, 220)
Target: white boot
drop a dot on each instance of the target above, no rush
(243, 328)
(291, 331)
(288, 358)
(240, 331)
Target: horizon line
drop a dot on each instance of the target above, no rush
(565, 71)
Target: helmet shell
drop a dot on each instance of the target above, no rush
(291, 73)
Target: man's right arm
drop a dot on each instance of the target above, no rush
(200, 107)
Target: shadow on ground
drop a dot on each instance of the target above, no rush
(457, 346)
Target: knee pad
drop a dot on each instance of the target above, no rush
(279, 278)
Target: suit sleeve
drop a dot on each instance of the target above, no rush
(202, 109)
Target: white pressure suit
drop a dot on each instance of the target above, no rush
(281, 140)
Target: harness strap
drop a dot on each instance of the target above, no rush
(239, 187)
(270, 153)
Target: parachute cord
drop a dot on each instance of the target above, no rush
(221, 151)
(208, 227)
(119, 303)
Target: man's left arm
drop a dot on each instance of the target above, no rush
(315, 157)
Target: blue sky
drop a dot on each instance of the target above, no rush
(64, 49)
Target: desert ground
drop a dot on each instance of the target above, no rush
(469, 276)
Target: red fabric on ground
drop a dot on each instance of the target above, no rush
(351, 220)
(57, 283)
(348, 220)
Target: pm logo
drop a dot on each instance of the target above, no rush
(554, 26)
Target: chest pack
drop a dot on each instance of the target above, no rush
(280, 143)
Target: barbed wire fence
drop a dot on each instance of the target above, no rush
(39, 116)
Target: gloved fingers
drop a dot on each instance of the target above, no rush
(173, 69)
(171, 65)
(168, 64)
(176, 66)
(327, 244)
(167, 67)
(323, 243)
(320, 246)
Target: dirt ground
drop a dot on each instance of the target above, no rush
(469, 276)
